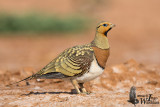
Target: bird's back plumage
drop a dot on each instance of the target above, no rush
(72, 62)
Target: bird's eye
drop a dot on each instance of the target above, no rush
(105, 25)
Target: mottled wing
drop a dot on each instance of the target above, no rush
(72, 62)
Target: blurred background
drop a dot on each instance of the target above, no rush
(33, 32)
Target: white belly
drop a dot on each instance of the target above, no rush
(94, 72)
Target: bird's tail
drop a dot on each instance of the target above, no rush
(28, 78)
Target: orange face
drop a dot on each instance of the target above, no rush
(104, 27)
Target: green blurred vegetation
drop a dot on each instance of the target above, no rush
(36, 23)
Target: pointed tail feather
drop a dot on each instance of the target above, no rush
(28, 78)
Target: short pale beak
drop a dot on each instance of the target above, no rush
(112, 25)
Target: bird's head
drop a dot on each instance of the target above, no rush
(104, 27)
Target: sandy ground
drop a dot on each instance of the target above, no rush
(134, 59)
(21, 57)
(110, 89)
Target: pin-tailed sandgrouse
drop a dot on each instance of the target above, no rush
(82, 63)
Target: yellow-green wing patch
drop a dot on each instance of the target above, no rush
(72, 62)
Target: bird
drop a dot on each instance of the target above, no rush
(80, 63)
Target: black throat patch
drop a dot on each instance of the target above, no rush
(105, 33)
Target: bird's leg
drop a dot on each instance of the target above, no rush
(82, 88)
(75, 84)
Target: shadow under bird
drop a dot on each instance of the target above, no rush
(79, 64)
